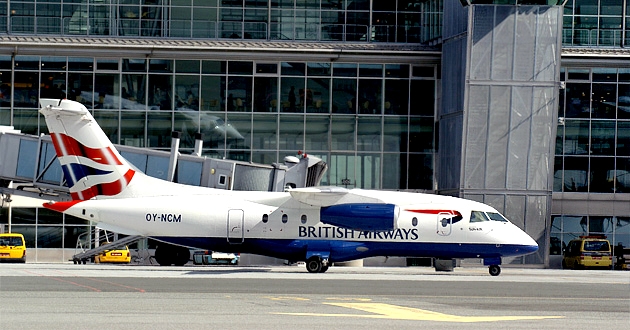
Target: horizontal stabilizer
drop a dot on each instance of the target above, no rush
(361, 216)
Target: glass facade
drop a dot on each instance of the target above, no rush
(564, 228)
(361, 118)
(397, 21)
(593, 142)
(596, 23)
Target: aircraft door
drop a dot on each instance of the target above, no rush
(235, 224)
(444, 224)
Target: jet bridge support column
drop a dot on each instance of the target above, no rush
(172, 164)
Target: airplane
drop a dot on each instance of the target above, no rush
(318, 225)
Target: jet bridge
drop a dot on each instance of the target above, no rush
(29, 167)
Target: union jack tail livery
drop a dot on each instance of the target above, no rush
(91, 165)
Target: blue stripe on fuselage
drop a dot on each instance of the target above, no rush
(295, 250)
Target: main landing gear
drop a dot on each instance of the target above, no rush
(317, 265)
(494, 270)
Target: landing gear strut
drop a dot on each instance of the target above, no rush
(316, 265)
(494, 270)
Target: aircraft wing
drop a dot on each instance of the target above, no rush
(327, 196)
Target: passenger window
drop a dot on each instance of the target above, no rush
(265, 218)
(477, 216)
(303, 218)
(414, 221)
(285, 218)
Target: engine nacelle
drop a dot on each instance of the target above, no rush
(361, 216)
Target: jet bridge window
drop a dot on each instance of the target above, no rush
(478, 216)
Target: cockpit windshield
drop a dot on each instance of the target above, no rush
(479, 216)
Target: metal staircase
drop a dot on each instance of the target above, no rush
(85, 243)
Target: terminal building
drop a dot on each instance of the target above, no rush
(523, 105)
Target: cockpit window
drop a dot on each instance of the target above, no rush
(496, 217)
(478, 216)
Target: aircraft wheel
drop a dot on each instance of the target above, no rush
(324, 269)
(164, 255)
(494, 270)
(314, 265)
(182, 256)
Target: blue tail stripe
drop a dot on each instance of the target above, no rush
(74, 172)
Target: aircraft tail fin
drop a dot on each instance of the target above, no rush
(91, 165)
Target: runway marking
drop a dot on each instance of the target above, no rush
(387, 311)
(349, 299)
(288, 298)
(62, 280)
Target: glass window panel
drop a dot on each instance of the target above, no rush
(108, 120)
(53, 172)
(603, 138)
(576, 137)
(423, 71)
(575, 174)
(368, 171)
(71, 234)
(239, 94)
(342, 169)
(53, 63)
(370, 96)
(80, 64)
(624, 74)
(604, 101)
(370, 70)
(216, 67)
(236, 67)
(134, 65)
(395, 134)
(560, 140)
(421, 175)
(188, 124)
(342, 133)
(72, 220)
(132, 125)
(187, 92)
(48, 217)
(107, 65)
(266, 68)
(561, 103)
(266, 94)
(320, 89)
(292, 94)
(242, 123)
(188, 172)
(316, 133)
(138, 160)
(213, 93)
(344, 95)
(578, 74)
(557, 174)
(262, 157)
(160, 92)
(291, 132)
(369, 134)
(292, 69)
(26, 120)
(133, 90)
(26, 89)
(604, 75)
(265, 132)
(49, 237)
(27, 62)
(318, 69)
(396, 70)
(157, 167)
(187, 66)
(23, 216)
(107, 88)
(422, 98)
(344, 69)
(623, 101)
(26, 159)
(396, 97)
(80, 88)
(622, 175)
(421, 135)
(578, 99)
(160, 66)
(602, 174)
(159, 129)
(395, 170)
(623, 138)
(53, 85)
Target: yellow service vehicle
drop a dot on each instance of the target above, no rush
(588, 252)
(12, 247)
(116, 255)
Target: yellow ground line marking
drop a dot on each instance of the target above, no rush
(288, 298)
(387, 311)
(349, 299)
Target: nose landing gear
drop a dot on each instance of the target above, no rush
(494, 270)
